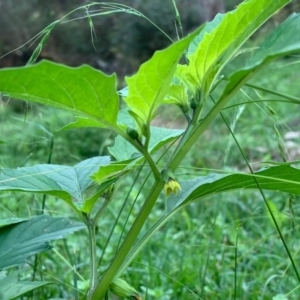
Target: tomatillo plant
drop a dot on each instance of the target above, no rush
(93, 97)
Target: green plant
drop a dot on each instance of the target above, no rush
(161, 80)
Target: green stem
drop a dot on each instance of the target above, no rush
(135, 229)
(152, 164)
(142, 149)
(188, 140)
(178, 20)
(190, 137)
(108, 198)
(93, 257)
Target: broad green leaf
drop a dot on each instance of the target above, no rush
(283, 178)
(82, 122)
(113, 170)
(147, 88)
(219, 45)
(124, 120)
(85, 168)
(82, 90)
(10, 221)
(183, 75)
(177, 94)
(283, 41)
(122, 150)
(89, 202)
(67, 183)
(19, 241)
(207, 29)
(11, 287)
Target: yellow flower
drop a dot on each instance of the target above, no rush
(172, 186)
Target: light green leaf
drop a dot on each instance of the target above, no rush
(177, 94)
(283, 41)
(147, 88)
(111, 171)
(83, 90)
(19, 241)
(219, 45)
(207, 29)
(183, 75)
(67, 183)
(124, 120)
(82, 122)
(11, 287)
(122, 150)
(89, 202)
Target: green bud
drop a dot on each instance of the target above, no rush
(193, 104)
(171, 184)
(140, 122)
(132, 133)
(121, 288)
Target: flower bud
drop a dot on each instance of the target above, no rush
(121, 288)
(193, 104)
(132, 133)
(172, 186)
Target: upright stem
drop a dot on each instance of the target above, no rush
(93, 257)
(135, 229)
(190, 137)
